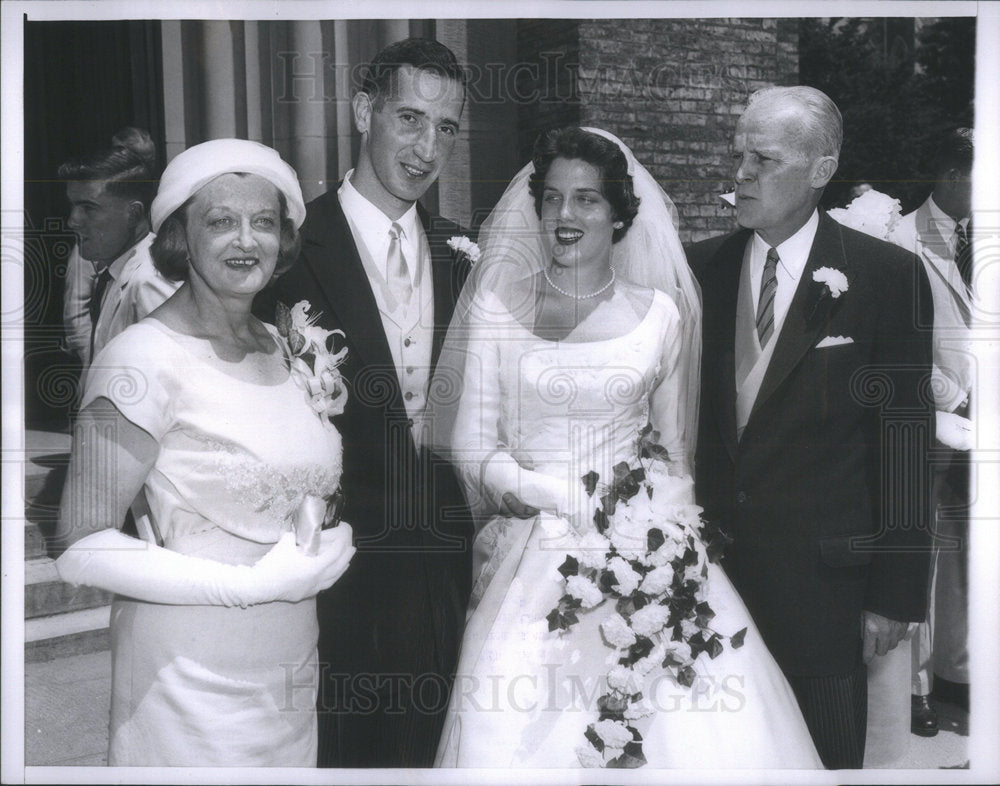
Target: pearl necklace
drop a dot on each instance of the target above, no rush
(595, 293)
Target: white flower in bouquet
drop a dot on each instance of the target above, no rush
(589, 757)
(672, 547)
(680, 650)
(639, 709)
(873, 213)
(626, 579)
(614, 734)
(658, 580)
(653, 660)
(585, 590)
(624, 679)
(617, 632)
(649, 620)
(630, 528)
(592, 550)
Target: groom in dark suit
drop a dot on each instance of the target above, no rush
(816, 417)
(378, 267)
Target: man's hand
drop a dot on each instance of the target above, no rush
(880, 634)
(511, 505)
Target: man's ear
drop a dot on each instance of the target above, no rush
(136, 213)
(823, 171)
(361, 105)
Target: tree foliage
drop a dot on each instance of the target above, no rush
(898, 86)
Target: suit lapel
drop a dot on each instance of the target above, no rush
(442, 270)
(937, 253)
(808, 312)
(727, 284)
(347, 291)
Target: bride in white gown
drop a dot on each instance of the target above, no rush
(576, 331)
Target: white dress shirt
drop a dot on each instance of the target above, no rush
(81, 277)
(793, 254)
(408, 327)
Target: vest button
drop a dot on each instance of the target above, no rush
(407, 342)
(741, 497)
(408, 395)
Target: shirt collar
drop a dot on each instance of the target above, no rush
(372, 221)
(945, 224)
(118, 266)
(794, 251)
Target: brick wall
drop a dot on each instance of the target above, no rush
(672, 89)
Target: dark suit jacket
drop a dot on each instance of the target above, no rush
(827, 494)
(400, 607)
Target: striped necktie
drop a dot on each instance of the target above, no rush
(963, 253)
(765, 303)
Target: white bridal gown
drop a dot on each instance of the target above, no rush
(523, 696)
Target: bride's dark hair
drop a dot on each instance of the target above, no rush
(573, 142)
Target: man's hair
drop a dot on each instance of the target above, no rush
(954, 151)
(821, 120)
(127, 169)
(422, 54)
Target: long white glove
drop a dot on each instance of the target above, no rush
(141, 570)
(562, 496)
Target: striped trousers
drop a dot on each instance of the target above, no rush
(836, 712)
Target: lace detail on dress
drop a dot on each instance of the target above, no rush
(259, 497)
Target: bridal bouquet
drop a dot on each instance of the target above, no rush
(314, 367)
(649, 556)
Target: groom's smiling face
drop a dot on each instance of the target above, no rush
(409, 135)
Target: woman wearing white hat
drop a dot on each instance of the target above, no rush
(214, 631)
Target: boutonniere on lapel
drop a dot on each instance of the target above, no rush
(313, 365)
(833, 284)
(464, 249)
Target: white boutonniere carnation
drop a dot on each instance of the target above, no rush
(835, 281)
(873, 213)
(462, 246)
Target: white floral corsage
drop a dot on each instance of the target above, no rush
(873, 213)
(464, 247)
(313, 366)
(833, 279)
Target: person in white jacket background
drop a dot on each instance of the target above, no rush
(939, 232)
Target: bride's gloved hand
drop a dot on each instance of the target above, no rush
(576, 506)
(285, 573)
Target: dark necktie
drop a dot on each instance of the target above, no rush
(96, 301)
(963, 253)
(765, 303)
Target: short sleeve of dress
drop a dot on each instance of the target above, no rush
(138, 373)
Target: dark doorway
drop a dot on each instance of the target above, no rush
(83, 81)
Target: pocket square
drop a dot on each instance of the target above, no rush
(834, 341)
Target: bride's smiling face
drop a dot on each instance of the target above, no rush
(577, 219)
